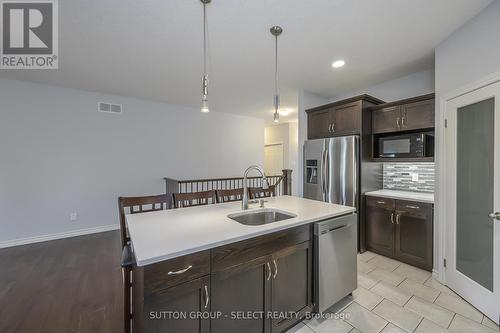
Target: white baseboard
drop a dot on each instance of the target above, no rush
(59, 235)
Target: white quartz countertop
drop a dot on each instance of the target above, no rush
(166, 234)
(404, 195)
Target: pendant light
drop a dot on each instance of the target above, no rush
(204, 82)
(276, 31)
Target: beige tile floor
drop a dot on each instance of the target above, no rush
(394, 297)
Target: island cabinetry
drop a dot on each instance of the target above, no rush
(400, 229)
(162, 291)
(270, 275)
(291, 286)
(250, 286)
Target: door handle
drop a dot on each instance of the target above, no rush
(269, 271)
(495, 216)
(181, 271)
(392, 218)
(329, 128)
(397, 122)
(333, 127)
(398, 218)
(275, 269)
(207, 297)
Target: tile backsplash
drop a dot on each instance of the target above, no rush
(417, 177)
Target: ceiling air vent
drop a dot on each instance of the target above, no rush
(109, 108)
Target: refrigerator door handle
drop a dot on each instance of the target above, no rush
(324, 174)
(327, 175)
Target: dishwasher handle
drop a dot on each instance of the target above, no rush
(335, 225)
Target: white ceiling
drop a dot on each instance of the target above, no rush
(152, 49)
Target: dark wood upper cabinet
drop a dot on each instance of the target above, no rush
(380, 225)
(291, 284)
(405, 115)
(346, 119)
(189, 297)
(400, 229)
(387, 119)
(339, 118)
(318, 124)
(418, 115)
(414, 233)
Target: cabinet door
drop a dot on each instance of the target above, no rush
(291, 284)
(182, 300)
(386, 120)
(380, 225)
(318, 124)
(418, 115)
(346, 119)
(414, 233)
(242, 289)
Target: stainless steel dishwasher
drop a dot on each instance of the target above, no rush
(335, 262)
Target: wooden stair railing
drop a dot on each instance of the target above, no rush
(283, 184)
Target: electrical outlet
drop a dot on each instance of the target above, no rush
(414, 177)
(73, 217)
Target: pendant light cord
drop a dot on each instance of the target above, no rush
(205, 39)
(276, 66)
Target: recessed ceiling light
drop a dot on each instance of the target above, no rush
(338, 64)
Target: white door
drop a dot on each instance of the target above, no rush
(273, 159)
(472, 173)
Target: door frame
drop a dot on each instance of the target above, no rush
(445, 181)
(439, 271)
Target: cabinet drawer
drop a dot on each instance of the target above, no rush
(412, 208)
(234, 254)
(171, 272)
(380, 202)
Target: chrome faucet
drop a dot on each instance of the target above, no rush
(265, 185)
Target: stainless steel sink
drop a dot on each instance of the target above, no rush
(261, 216)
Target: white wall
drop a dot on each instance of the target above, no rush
(470, 53)
(286, 134)
(466, 56)
(412, 85)
(59, 155)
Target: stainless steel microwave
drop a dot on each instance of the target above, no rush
(411, 145)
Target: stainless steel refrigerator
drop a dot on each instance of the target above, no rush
(332, 170)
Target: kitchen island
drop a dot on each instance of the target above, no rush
(197, 270)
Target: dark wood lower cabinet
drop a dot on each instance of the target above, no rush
(240, 290)
(400, 229)
(291, 285)
(380, 225)
(258, 285)
(414, 234)
(179, 308)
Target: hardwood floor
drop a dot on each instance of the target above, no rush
(68, 285)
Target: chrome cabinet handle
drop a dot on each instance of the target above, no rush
(495, 216)
(392, 218)
(329, 128)
(398, 218)
(397, 122)
(381, 202)
(275, 269)
(412, 207)
(333, 127)
(269, 270)
(404, 121)
(207, 297)
(181, 271)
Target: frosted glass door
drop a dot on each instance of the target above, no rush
(475, 185)
(472, 197)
